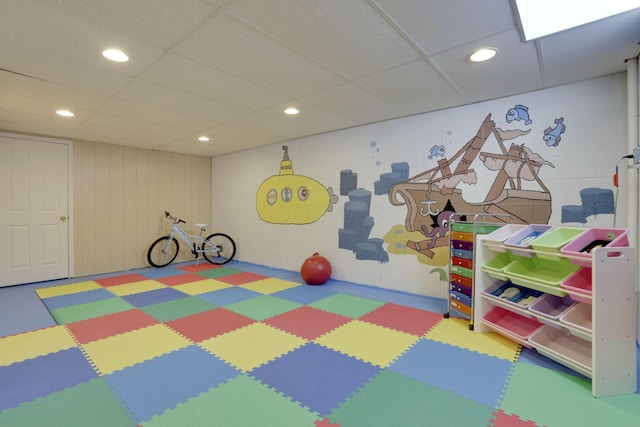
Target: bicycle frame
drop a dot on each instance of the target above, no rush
(189, 239)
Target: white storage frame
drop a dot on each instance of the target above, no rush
(614, 307)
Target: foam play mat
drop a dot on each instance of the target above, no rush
(205, 345)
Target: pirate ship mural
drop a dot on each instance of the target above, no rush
(433, 196)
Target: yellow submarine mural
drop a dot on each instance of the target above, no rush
(288, 198)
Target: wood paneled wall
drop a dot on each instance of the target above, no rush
(119, 198)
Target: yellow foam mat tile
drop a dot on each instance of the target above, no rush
(456, 332)
(71, 288)
(270, 285)
(370, 343)
(252, 346)
(28, 345)
(135, 287)
(120, 351)
(202, 286)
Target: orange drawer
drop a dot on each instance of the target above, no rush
(465, 309)
(461, 262)
(465, 237)
(464, 281)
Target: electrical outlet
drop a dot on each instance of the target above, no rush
(636, 156)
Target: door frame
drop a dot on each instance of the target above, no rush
(70, 215)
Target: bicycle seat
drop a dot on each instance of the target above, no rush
(203, 226)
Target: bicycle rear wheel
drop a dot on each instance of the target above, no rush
(163, 251)
(218, 249)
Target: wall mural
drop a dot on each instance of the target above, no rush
(288, 198)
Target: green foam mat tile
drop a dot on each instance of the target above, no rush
(262, 307)
(87, 404)
(241, 402)
(89, 310)
(347, 305)
(218, 272)
(177, 308)
(557, 399)
(392, 400)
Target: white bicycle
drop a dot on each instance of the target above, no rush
(217, 248)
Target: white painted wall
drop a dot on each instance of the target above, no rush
(595, 139)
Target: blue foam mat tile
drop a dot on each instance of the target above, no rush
(306, 294)
(228, 296)
(473, 375)
(161, 383)
(315, 376)
(77, 298)
(27, 380)
(153, 297)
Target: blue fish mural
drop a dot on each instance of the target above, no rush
(519, 112)
(552, 135)
(437, 150)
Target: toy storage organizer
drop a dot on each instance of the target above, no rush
(462, 235)
(569, 293)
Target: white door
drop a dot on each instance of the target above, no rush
(34, 230)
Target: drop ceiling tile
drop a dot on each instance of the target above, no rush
(513, 71)
(346, 36)
(158, 22)
(414, 88)
(596, 50)
(233, 47)
(70, 38)
(50, 92)
(189, 76)
(137, 128)
(16, 120)
(122, 108)
(78, 75)
(159, 97)
(439, 25)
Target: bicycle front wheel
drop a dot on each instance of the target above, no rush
(218, 249)
(163, 251)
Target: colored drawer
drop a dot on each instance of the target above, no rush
(464, 237)
(460, 271)
(461, 262)
(466, 290)
(461, 253)
(461, 280)
(458, 306)
(461, 298)
(461, 244)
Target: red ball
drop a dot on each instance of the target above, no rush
(315, 270)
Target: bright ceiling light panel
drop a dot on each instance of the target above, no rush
(291, 111)
(203, 139)
(483, 54)
(540, 18)
(115, 55)
(65, 113)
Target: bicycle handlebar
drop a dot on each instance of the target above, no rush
(173, 218)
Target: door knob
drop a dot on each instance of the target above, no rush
(63, 218)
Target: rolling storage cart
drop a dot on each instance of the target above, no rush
(463, 229)
(568, 293)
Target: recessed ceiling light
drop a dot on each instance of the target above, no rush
(291, 111)
(483, 54)
(203, 139)
(65, 113)
(115, 55)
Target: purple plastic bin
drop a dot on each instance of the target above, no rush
(580, 248)
(551, 306)
(522, 238)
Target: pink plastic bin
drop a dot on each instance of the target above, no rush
(580, 246)
(579, 282)
(512, 323)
